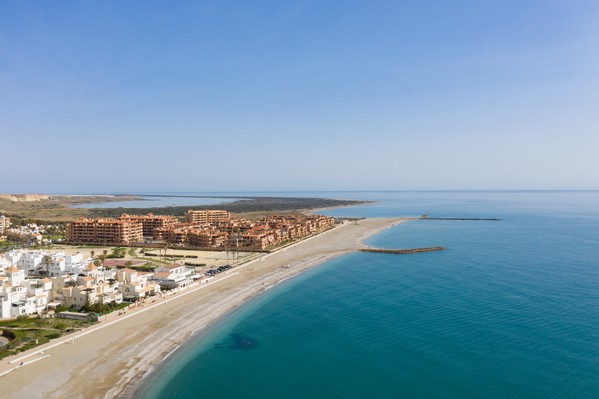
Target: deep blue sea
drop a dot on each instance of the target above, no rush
(509, 310)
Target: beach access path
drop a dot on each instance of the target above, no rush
(110, 358)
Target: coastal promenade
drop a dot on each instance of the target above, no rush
(109, 359)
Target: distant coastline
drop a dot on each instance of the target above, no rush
(65, 208)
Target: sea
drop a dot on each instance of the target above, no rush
(509, 310)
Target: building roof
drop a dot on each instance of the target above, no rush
(12, 269)
(172, 266)
(127, 270)
(162, 275)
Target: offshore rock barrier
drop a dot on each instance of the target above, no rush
(429, 218)
(402, 251)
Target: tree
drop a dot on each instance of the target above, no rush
(46, 261)
(88, 303)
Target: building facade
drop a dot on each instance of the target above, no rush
(104, 232)
(206, 216)
(150, 222)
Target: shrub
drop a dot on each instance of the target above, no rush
(61, 325)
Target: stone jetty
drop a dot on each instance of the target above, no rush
(402, 251)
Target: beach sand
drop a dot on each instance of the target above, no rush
(110, 358)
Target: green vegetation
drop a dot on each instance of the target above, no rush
(53, 237)
(117, 253)
(194, 264)
(146, 268)
(156, 260)
(132, 252)
(104, 308)
(26, 333)
(247, 204)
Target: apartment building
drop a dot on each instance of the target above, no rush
(207, 216)
(104, 232)
(203, 229)
(150, 223)
(206, 238)
(243, 233)
(176, 234)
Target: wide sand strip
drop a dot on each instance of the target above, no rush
(108, 359)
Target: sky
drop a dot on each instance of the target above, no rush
(153, 96)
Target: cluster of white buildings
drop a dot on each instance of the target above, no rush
(31, 232)
(73, 281)
(52, 264)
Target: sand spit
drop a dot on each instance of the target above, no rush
(109, 359)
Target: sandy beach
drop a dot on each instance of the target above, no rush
(110, 358)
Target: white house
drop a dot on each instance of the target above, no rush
(174, 276)
(77, 291)
(29, 261)
(4, 263)
(56, 267)
(76, 263)
(14, 298)
(135, 285)
(41, 290)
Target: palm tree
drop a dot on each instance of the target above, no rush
(46, 261)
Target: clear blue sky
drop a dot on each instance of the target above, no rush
(125, 96)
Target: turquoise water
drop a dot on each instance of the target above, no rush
(510, 310)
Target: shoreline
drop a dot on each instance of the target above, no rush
(119, 355)
(138, 382)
